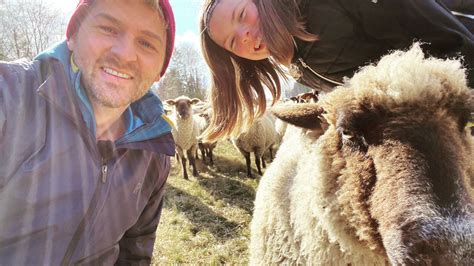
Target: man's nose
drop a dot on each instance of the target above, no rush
(125, 49)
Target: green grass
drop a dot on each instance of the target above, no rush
(206, 220)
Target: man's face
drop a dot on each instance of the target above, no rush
(120, 49)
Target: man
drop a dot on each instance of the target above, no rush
(84, 144)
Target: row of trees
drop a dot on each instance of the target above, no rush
(28, 27)
(187, 74)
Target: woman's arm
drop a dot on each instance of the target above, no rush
(399, 23)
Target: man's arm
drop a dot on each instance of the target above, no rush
(136, 246)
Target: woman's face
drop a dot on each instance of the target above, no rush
(235, 26)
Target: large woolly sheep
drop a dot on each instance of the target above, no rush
(390, 180)
(186, 129)
(261, 136)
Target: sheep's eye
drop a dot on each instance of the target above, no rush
(353, 139)
(347, 134)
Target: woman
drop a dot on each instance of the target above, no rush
(246, 43)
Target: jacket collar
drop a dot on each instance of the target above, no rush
(56, 88)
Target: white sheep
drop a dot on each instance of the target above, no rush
(390, 180)
(261, 136)
(186, 129)
(206, 147)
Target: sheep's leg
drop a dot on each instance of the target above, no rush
(271, 153)
(203, 152)
(192, 160)
(185, 172)
(247, 162)
(210, 156)
(258, 159)
(180, 154)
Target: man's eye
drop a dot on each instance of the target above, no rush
(107, 29)
(147, 45)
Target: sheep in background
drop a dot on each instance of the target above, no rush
(390, 180)
(307, 97)
(186, 130)
(261, 136)
(207, 147)
(280, 128)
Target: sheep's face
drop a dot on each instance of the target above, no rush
(183, 106)
(408, 168)
(308, 97)
(416, 164)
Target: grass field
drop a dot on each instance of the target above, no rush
(206, 220)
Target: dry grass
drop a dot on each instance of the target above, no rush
(206, 220)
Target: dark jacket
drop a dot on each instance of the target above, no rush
(64, 198)
(354, 33)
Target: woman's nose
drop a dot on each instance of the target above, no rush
(244, 35)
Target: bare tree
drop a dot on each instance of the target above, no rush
(187, 74)
(28, 27)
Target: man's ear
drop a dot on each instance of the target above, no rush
(71, 43)
(158, 77)
(304, 115)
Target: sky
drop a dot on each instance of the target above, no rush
(186, 14)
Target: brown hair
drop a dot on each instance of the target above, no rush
(237, 89)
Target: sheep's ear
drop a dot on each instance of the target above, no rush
(170, 102)
(309, 96)
(305, 115)
(195, 100)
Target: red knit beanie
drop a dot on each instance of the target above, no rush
(80, 13)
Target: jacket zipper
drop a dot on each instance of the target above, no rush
(104, 172)
(90, 211)
(303, 63)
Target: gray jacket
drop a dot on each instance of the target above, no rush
(64, 198)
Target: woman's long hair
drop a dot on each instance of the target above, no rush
(237, 90)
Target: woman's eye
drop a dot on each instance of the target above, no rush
(242, 14)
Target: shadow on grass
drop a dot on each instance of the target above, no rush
(229, 190)
(230, 166)
(236, 166)
(202, 217)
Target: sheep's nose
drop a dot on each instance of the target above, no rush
(430, 242)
